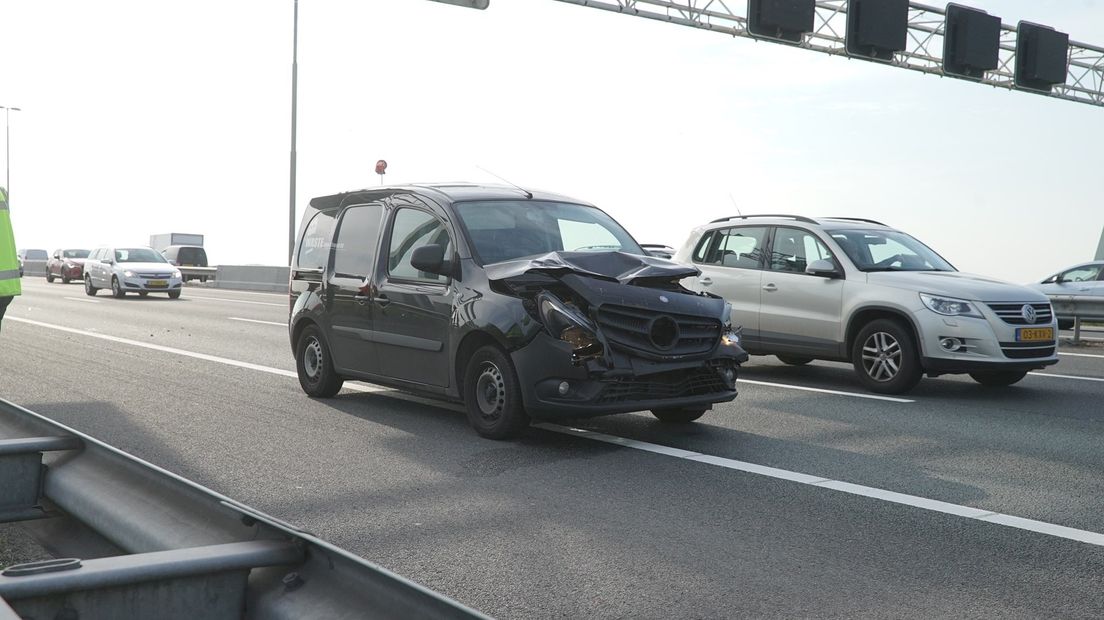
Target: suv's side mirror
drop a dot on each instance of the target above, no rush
(823, 268)
(430, 259)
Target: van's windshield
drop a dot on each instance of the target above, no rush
(504, 230)
(888, 250)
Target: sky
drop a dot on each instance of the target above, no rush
(146, 117)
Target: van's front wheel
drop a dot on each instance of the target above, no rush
(492, 395)
(315, 366)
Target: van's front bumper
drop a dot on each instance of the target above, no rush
(554, 387)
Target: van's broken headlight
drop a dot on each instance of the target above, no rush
(568, 324)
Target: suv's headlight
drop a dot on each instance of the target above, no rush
(949, 306)
(128, 273)
(567, 324)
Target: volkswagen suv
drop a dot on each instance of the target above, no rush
(518, 304)
(858, 291)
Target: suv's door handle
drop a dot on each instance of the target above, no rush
(770, 288)
(706, 281)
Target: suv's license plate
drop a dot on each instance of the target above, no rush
(1032, 334)
(157, 283)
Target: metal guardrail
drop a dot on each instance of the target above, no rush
(154, 544)
(1078, 308)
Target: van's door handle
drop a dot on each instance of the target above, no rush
(770, 288)
(361, 299)
(382, 299)
(706, 281)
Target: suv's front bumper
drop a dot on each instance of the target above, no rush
(593, 389)
(989, 344)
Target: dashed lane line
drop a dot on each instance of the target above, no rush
(892, 399)
(238, 318)
(87, 301)
(1057, 376)
(237, 301)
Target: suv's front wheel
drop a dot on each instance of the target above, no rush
(315, 366)
(885, 357)
(492, 395)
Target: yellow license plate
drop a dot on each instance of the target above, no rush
(157, 283)
(1032, 334)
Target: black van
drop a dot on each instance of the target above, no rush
(515, 303)
(187, 256)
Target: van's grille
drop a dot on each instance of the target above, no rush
(674, 384)
(667, 335)
(1013, 313)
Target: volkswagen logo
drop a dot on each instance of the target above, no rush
(1028, 313)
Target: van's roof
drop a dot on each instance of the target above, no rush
(444, 192)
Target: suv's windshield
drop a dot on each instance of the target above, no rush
(74, 253)
(138, 255)
(507, 229)
(888, 250)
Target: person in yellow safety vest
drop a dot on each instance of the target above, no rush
(9, 261)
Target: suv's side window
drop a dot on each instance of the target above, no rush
(357, 241)
(738, 247)
(793, 249)
(703, 247)
(410, 230)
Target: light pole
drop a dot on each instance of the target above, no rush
(471, 4)
(7, 148)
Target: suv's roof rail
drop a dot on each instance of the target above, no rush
(800, 218)
(857, 219)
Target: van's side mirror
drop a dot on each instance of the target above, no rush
(823, 268)
(430, 259)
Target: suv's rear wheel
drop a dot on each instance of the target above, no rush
(315, 366)
(1000, 378)
(678, 416)
(794, 360)
(492, 395)
(885, 357)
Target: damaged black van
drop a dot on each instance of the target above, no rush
(518, 304)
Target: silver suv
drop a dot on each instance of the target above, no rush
(858, 291)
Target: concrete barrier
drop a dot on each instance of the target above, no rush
(252, 278)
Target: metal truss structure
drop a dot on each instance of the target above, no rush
(1085, 69)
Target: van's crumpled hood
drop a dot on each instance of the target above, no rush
(957, 284)
(621, 267)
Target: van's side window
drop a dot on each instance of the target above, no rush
(357, 241)
(739, 247)
(411, 229)
(314, 250)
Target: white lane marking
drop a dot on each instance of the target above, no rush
(1042, 527)
(232, 291)
(192, 354)
(1056, 376)
(1081, 355)
(235, 318)
(237, 301)
(915, 501)
(87, 301)
(891, 399)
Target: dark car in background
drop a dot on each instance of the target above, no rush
(67, 265)
(518, 304)
(187, 256)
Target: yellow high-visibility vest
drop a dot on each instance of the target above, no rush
(9, 261)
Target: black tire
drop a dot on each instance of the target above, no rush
(66, 279)
(314, 365)
(1000, 378)
(88, 288)
(1065, 323)
(885, 358)
(492, 395)
(49, 277)
(794, 360)
(174, 294)
(117, 288)
(678, 416)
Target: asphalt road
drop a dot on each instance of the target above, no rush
(558, 524)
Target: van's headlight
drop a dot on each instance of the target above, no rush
(949, 306)
(128, 273)
(569, 325)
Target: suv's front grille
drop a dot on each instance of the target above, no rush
(1013, 313)
(1027, 350)
(668, 335)
(674, 384)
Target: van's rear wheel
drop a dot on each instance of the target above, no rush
(315, 366)
(885, 357)
(678, 416)
(492, 395)
(999, 378)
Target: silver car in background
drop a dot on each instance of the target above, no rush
(1086, 279)
(139, 270)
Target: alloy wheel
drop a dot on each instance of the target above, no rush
(881, 356)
